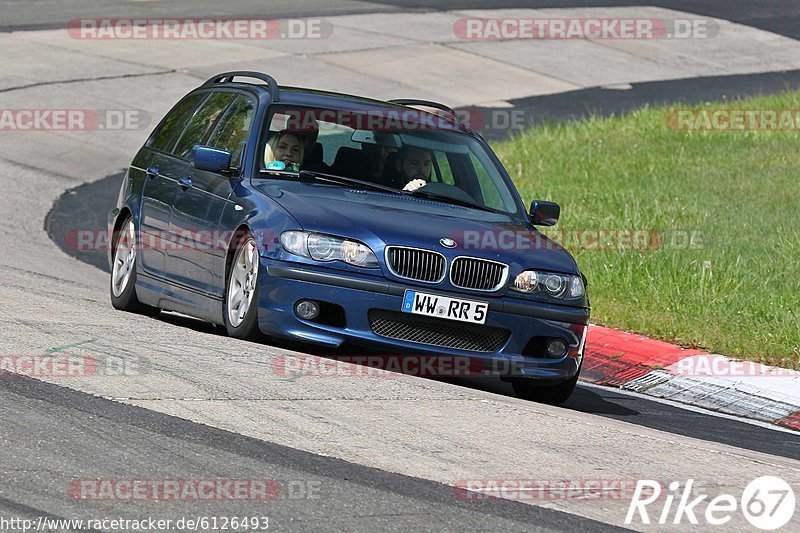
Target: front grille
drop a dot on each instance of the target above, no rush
(478, 274)
(437, 331)
(416, 264)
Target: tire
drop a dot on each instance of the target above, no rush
(533, 390)
(240, 304)
(122, 287)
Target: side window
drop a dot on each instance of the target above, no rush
(232, 131)
(202, 123)
(172, 124)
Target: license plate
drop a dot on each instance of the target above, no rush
(420, 303)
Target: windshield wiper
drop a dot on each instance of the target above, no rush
(344, 180)
(457, 201)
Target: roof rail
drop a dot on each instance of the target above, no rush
(429, 103)
(227, 77)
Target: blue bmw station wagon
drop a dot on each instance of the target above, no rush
(344, 221)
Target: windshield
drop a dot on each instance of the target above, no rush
(415, 152)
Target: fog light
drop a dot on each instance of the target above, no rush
(556, 348)
(306, 309)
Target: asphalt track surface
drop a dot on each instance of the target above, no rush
(317, 493)
(50, 431)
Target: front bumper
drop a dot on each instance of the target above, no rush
(284, 283)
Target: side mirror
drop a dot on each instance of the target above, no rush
(544, 213)
(211, 159)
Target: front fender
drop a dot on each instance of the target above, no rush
(263, 217)
(128, 201)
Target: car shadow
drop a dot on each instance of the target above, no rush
(583, 399)
(196, 324)
(77, 221)
(587, 400)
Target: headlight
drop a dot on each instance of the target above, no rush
(561, 286)
(326, 248)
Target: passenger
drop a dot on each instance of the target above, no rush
(285, 146)
(414, 165)
(377, 156)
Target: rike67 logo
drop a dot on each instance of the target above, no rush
(767, 502)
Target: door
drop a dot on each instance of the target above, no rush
(199, 260)
(160, 186)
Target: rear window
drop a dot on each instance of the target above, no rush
(202, 123)
(232, 131)
(173, 123)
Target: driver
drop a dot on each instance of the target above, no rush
(414, 165)
(286, 146)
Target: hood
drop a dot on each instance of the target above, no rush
(381, 219)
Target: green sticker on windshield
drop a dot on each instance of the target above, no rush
(276, 165)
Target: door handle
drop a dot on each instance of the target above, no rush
(152, 172)
(185, 182)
